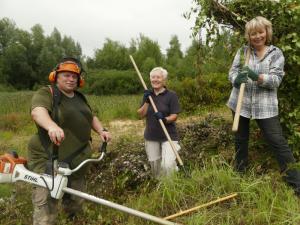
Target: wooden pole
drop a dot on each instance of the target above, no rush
(200, 206)
(155, 110)
(236, 119)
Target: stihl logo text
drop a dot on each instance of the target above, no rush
(33, 179)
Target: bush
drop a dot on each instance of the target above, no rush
(111, 82)
(212, 89)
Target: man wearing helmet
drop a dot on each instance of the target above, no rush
(64, 121)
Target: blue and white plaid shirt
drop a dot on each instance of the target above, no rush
(260, 100)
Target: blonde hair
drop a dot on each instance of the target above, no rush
(163, 72)
(256, 23)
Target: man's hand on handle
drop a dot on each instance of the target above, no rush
(105, 135)
(56, 134)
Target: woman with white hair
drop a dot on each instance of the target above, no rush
(262, 77)
(159, 152)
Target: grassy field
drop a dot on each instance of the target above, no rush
(262, 196)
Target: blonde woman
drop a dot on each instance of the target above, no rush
(262, 78)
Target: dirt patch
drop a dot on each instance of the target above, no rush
(120, 128)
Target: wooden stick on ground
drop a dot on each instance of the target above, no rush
(200, 206)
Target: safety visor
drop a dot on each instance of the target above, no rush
(69, 66)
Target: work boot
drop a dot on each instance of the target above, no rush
(292, 178)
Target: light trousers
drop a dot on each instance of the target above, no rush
(161, 157)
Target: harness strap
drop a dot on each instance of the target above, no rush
(56, 102)
(43, 134)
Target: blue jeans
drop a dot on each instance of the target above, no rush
(272, 133)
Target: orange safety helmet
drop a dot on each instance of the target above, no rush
(68, 65)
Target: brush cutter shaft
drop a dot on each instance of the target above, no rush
(116, 206)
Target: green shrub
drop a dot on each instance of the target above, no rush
(112, 82)
(211, 89)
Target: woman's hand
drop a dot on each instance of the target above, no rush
(241, 78)
(251, 74)
(160, 116)
(146, 95)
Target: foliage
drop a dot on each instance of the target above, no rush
(110, 82)
(113, 55)
(186, 66)
(147, 48)
(201, 91)
(174, 52)
(27, 57)
(216, 17)
(217, 56)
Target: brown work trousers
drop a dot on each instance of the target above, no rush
(45, 208)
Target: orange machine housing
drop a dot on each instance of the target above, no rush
(8, 163)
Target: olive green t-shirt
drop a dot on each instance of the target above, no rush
(75, 118)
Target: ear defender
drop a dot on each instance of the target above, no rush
(81, 82)
(69, 65)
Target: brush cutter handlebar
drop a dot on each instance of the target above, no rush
(67, 171)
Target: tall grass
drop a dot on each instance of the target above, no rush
(261, 200)
(16, 125)
(15, 102)
(106, 107)
(115, 107)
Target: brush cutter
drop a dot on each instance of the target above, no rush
(12, 169)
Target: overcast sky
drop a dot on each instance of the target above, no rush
(90, 22)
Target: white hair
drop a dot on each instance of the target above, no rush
(162, 71)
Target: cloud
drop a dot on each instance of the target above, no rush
(90, 22)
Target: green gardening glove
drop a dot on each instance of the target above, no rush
(251, 74)
(241, 78)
